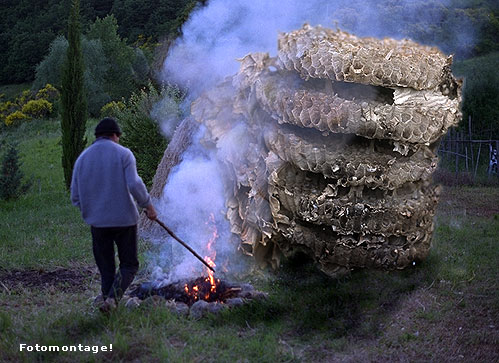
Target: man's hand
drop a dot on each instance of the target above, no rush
(151, 212)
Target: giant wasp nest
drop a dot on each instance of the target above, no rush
(336, 144)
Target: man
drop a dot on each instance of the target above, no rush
(103, 187)
(492, 169)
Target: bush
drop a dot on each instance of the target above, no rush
(10, 111)
(112, 109)
(147, 45)
(141, 132)
(49, 93)
(6, 108)
(24, 97)
(15, 117)
(28, 105)
(11, 185)
(37, 108)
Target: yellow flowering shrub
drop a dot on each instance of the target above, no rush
(37, 108)
(5, 109)
(15, 117)
(48, 92)
(145, 43)
(25, 96)
(112, 109)
(6, 106)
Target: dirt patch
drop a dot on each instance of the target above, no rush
(63, 279)
(429, 326)
(426, 326)
(468, 201)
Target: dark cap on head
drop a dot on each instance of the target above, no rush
(107, 125)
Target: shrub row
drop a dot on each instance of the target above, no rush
(30, 105)
(143, 117)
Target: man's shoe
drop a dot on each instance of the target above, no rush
(108, 305)
(98, 301)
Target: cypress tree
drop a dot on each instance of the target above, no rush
(11, 176)
(73, 101)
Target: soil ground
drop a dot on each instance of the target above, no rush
(436, 320)
(64, 279)
(477, 201)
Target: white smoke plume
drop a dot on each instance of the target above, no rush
(166, 113)
(192, 205)
(222, 31)
(214, 37)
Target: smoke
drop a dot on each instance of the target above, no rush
(217, 34)
(214, 37)
(193, 206)
(166, 113)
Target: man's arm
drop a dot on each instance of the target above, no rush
(151, 212)
(75, 195)
(137, 187)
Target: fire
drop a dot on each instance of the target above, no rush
(211, 276)
(209, 283)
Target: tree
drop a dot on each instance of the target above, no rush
(28, 27)
(151, 18)
(96, 68)
(128, 67)
(119, 79)
(73, 102)
(11, 176)
(480, 94)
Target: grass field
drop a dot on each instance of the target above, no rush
(445, 309)
(11, 91)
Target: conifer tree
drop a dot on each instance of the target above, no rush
(11, 176)
(73, 101)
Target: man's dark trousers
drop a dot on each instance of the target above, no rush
(115, 283)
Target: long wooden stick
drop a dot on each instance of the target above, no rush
(184, 244)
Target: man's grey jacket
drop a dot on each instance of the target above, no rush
(104, 184)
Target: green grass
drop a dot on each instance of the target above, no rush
(467, 249)
(42, 228)
(11, 91)
(415, 314)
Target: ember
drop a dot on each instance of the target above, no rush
(191, 291)
(211, 261)
(201, 289)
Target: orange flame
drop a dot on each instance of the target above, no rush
(212, 253)
(211, 276)
(210, 259)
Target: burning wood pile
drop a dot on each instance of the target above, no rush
(198, 296)
(194, 297)
(336, 144)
